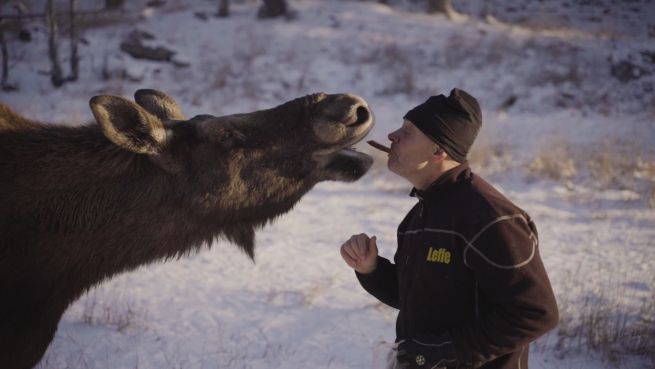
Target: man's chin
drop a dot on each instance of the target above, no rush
(396, 169)
(391, 165)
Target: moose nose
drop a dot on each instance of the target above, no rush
(362, 114)
(359, 113)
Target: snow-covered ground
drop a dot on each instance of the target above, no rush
(569, 134)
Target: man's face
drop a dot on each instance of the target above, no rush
(411, 150)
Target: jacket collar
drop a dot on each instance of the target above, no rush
(445, 182)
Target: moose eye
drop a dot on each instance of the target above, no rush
(230, 138)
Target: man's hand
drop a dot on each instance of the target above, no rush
(360, 253)
(426, 353)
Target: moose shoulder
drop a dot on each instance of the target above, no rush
(80, 204)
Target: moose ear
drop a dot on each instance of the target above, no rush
(160, 104)
(128, 125)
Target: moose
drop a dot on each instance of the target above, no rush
(79, 204)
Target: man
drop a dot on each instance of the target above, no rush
(467, 277)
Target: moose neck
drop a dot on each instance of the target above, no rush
(112, 211)
(108, 210)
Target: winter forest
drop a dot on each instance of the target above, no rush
(567, 90)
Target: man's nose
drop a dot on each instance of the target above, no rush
(392, 137)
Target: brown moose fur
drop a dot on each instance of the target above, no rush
(80, 204)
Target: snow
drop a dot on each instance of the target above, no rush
(299, 305)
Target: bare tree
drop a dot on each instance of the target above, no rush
(4, 82)
(56, 75)
(113, 4)
(223, 8)
(24, 35)
(4, 53)
(75, 60)
(273, 8)
(442, 6)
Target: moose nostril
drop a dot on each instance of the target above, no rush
(362, 115)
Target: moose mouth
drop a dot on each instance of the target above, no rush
(347, 148)
(344, 162)
(341, 161)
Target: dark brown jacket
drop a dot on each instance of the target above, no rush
(468, 267)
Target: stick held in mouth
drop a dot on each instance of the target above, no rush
(378, 146)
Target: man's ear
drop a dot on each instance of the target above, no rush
(128, 125)
(439, 155)
(159, 104)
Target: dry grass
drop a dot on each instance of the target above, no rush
(479, 53)
(120, 314)
(645, 168)
(553, 162)
(604, 325)
(489, 158)
(396, 69)
(615, 164)
(250, 46)
(609, 165)
(221, 74)
(562, 64)
(247, 50)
